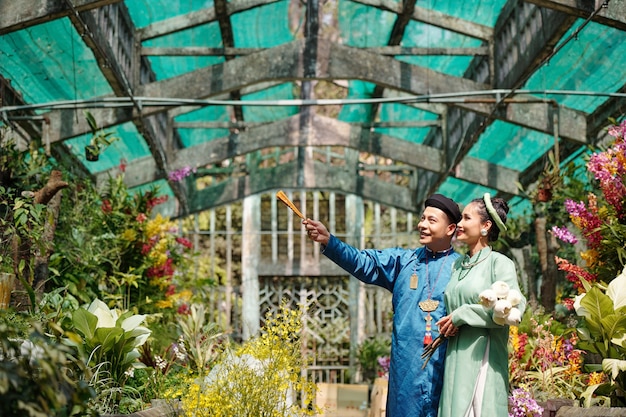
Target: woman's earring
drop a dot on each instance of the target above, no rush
(483, 232)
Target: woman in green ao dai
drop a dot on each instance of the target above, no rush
(476, 382)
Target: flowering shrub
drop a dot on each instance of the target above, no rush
(383, 363)
(601, 220)
(265, 372)
(125, 253)
(544, 360)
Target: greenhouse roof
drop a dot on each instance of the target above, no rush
(389, 100)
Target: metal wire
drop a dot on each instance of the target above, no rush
(468, 97)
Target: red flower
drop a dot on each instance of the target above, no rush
(574, 272)
(183, 309)
(569, 303)
(156, 201)
(185, 242)
(141, 217)
(145, 249)
(165, 270)
(106, 206)
(171, 290)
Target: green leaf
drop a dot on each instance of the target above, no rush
(613, 367)
(107, 337)
(583, 334)
(91, 121)
(85, 323)
(598, 305)
(613, 325)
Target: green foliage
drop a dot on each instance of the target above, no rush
(39, 377)
(110, 340)
(100, 139)
(604, 332)
(200, 338)
(368, 354)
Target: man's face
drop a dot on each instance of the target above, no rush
(435, 229)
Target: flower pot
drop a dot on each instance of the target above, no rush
(92, 152)
(7, 282)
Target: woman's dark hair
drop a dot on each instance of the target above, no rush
(502, 208)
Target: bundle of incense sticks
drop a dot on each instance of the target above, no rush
(282, 197)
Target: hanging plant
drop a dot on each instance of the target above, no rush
(99, 140)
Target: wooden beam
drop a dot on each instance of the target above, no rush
(176, 24)
(481, 172)
(435, 18)
(198, 51)
(195, 18)
(16, 15)
(333, 62)
(613, 15)
(322, 131)
(319, 177)
(405, 51)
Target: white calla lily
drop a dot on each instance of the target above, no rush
(580, 310)
(106, 316)
(132, 322)
(616, 290)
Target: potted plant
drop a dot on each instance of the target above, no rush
(99, 139)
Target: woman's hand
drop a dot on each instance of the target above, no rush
(316, 231)
(446, 327)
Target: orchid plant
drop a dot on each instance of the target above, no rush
(604, 332)
(601, 223)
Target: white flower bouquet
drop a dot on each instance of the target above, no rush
(503, 301)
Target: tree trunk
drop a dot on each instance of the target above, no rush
(547, 247)
(49, 195)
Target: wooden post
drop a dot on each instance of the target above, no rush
(250, 254)
(354, 237)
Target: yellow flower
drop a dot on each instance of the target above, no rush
(156, 226)
(129, 235)
(596, 378)
(590, 257)
(164, 303)
(185, 295)
(514, 338)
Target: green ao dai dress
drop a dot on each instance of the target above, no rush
(476, 375)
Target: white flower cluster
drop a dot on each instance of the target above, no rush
(503, 301)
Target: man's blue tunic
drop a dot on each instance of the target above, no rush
(413, 391)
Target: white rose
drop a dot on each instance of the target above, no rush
(501, 288)
(499, 320)
(514, 297)
(502, 308)
(514, 317)
(488, 298)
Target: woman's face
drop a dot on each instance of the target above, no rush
(468, 230)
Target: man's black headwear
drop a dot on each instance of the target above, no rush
(446, 205)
